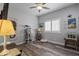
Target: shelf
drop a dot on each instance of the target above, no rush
(72, 46)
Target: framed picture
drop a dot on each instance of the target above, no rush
(72, 23)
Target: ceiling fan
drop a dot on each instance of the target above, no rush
(39, 6)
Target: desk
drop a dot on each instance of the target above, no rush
(13, 52)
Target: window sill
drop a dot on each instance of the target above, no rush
(52, 32)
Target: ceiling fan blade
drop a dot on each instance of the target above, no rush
(46, 7)
(43, 3)
(40, 3)
(33, 7)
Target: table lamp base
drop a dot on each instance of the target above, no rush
(4, 52)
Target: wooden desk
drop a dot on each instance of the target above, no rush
(13, 52)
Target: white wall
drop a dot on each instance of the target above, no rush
(22, 18)
(62, 14)
(1, 7)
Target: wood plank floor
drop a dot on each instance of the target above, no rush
(46, 49)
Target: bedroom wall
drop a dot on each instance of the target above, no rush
(62, 15)
(22, 18)
(1, 7)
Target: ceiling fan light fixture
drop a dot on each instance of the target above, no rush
(39, 7)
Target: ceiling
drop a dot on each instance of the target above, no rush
(53, 7)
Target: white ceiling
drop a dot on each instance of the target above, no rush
(53, 7)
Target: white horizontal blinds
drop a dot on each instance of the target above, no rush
(47, 26)
(56, 25)
(52, 26)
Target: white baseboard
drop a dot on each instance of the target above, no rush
(24, 42)
(20, 43)
(7, 43)
(56, 42)
(12, 42)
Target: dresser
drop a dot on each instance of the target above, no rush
(72, 43)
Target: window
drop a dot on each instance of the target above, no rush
(48, 26)
(52, 26)
(55, 25)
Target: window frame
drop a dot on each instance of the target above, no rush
(58, 26)
(51, 26)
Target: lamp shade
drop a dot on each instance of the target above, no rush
(6, 28)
